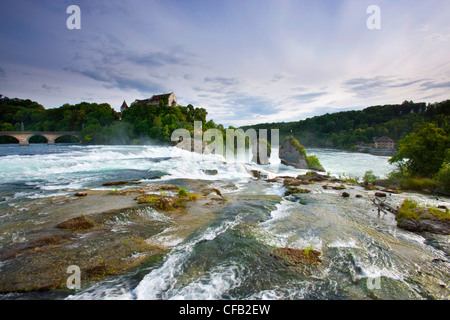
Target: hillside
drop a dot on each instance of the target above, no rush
(342, 130)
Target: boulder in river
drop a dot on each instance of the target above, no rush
(292, 153)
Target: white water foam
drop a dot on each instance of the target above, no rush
(160, 283)
(213, 285)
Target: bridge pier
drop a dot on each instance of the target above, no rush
(23, 142)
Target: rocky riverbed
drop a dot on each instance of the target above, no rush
(108, 232)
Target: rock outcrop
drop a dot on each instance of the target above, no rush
(292, 153)
(414, 218)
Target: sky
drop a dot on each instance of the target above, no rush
(244, 61)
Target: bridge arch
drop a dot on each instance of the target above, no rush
(37, 138)
(8, 139)
(68, 138)
(24, 137)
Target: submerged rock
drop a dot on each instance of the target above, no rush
(345, 194)
(294, 257)
(76, 224)
(210, 172)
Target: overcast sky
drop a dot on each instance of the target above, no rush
(245, 61)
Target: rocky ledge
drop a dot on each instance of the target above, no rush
(110, 237)
(423, 219)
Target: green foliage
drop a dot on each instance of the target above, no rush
(297, 145)
(182, 192)
(411, 210)
(313, 161)
(423, 152)
(419, 184)
(369, 177)
(443, 177)
(99, 123)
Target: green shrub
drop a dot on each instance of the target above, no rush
(443, 177)
(369, 177)
(313, 162)
(416, 183)
(182, 192)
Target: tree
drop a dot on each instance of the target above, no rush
(423, 152)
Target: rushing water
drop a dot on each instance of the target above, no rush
(230, 256)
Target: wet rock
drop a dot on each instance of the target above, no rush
(81, 194)
(293, 153)
(313, 176)
(159, 187)
(425, 225)
(207, 191)
(209, 172)
(358, 196)
(296, 191)
(115, 183)
(345, 194)
(340, 187)
(292, 182)
(273, 180)
(380, 195)
(255, 174)
(76, 224)
(294, 257)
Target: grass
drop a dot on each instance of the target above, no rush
(168, 203)
(313, 162)
(76, 224)
(411, 210)
(418, 184)
(292, 191)
(182, 193)
(297, 145)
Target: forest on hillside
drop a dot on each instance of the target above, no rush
(99, 123)
(342, 130)
(141, 123)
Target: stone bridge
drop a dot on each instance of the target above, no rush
(24, 136)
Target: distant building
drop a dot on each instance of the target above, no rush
(124, 106)
(361, 145)
(384, 143)
(170, 100)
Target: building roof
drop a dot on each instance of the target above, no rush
(124, 105)
(155, 99)
(384, 139)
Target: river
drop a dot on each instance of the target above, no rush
(230, 256)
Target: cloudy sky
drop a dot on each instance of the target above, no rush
(245, 61)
